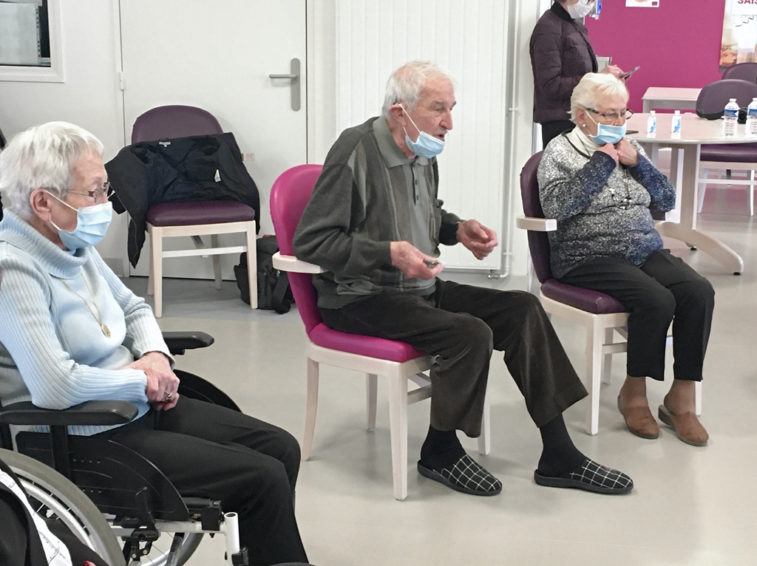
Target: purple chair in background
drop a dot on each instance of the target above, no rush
(743, 71)
(192, 218)
(731, 157)
(398, 361)
(601, 315)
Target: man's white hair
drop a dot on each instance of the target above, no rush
(42, 157)
(591, 87)
(405, 84)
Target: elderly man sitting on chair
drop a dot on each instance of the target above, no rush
(374, 223)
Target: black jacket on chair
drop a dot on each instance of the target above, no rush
(194, 168)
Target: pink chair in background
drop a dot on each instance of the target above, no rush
(398, 361)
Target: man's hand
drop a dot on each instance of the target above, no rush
(627, 154)
(162, 383)
(479, 239)
(610, 150)
(412, 262)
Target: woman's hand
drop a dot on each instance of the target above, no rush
(162, 383)
(479, 239)
(610, 150)
(627, 154)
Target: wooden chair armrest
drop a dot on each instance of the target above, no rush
(536, 224)
(291, 263)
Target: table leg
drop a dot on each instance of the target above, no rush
(686, 229)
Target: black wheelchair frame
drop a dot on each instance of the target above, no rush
(139, 501)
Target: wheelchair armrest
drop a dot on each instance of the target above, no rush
(89, 413)
(536, 224)
(291, 263)
(178, 342)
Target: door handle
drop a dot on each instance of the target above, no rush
(294, 76)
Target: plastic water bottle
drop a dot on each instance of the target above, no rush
(751, 117)
(675, 124)
(730, 117)
(652, 123)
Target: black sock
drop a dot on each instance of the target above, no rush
(441, 449)
(559, 455)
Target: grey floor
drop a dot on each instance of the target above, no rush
(690, 505)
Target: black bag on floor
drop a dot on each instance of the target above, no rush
(273, 286)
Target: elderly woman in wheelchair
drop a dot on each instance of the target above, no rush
(72, 333)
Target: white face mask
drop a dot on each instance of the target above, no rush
(581, 9)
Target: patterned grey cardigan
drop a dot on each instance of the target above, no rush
(601, 209)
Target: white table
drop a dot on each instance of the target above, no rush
(670, 98)
(694, 132)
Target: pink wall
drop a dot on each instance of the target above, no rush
(677, 44)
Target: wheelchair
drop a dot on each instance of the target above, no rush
(139, 503)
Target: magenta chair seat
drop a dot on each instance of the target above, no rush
(190, 213)
(585, 299)
(393, 350)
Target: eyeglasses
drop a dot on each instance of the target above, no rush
(622, 115)
(98, 194)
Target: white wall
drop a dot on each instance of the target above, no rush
(90, 95)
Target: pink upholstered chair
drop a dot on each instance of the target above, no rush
(192, 218)
(602, 317)
(398, 361)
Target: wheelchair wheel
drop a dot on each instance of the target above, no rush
(183, 547)
(52, 495)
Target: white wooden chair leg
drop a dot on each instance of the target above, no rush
(485, 440)
(156, 245)
(150, 276)
(751, 193)
(216, 261)
(252, 266)
(593, 372)
(371, 399)
(398, 432)
(311, 408)
(607, 357)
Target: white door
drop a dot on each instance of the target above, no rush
(218, 56)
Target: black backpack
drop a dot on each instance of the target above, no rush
(273, 286)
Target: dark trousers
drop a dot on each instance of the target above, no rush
(461, 325)
(663, 289)
(553, 129)
(250, 466)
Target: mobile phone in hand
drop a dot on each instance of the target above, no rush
(430, 263)
(629, 73)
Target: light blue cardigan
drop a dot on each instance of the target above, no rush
(52, 349)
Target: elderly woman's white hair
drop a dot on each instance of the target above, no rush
(591, 87)
(406, 83)
(42, 157)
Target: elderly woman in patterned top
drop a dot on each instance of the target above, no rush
(600, 186)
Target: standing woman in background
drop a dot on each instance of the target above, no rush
(560, 55)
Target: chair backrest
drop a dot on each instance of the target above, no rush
(290, 195)
(174, 121)
(743, 71)
(714, 96)
(538, 242)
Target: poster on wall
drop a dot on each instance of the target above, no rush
(642, 3)
(739, 42)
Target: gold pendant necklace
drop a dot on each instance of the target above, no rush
(92, 307)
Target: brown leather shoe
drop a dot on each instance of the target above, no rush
(686, 426)
(639, 421)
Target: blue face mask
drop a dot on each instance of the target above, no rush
(426, 145)
(607, 133)
(91, 225)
